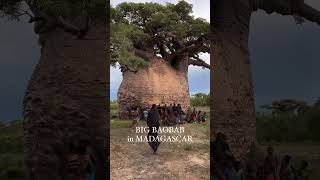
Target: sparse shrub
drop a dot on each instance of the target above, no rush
(114, 112)
(188, 147)
(200, 100)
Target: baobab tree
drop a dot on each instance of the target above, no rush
(233, 98)
(65, 106)
(288, 106)
(154, 45)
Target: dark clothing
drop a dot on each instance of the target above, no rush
(153, 121)
(221, 152)
(223, 159)
(153, 144)
(159, 109)
(270, 167)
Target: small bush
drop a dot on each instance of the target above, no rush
(200, 100)
(114, 112)
(113, 105)
(188, 147)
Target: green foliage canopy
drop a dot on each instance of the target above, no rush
(142, 29)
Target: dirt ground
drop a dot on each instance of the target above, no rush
(134, 160)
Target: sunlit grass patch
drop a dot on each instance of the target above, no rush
(117, 123)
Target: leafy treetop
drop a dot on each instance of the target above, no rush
(140, 31)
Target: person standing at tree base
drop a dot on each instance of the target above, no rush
(153, 122)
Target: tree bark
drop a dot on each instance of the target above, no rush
(161, 83)
(66, 104)
(233, 98)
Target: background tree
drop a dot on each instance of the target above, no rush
(317, 103)
(154, 44)
(233, 99)
(289, 106)
(65, 106)
(291, 121)
(200, 100)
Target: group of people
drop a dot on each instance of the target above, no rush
(165, 115)
(173, 114)
(228, 168)
(169, 115)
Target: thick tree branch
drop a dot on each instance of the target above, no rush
(194, 46)
(31, 16)
(125, 69)
(290, 7)
(68, 27)
(162, 48)
(171, 49)
(175, 41)
(309, 13)
(142, 53)
(193, 49)
(196, 61)
(199, 40)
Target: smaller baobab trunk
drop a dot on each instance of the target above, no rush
(160, 83)
(233, 98)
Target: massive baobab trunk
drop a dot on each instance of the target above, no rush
(160, 83)
(179, 44)
(65, 107)
(233, 101)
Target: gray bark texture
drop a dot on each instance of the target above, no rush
(65, 106)
(233, 110)
(233, 98)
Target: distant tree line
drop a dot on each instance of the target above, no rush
(290, 121)
(114, 111)
(200, 100)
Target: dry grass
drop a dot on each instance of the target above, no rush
(134, 160)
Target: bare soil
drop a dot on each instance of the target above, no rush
(135, 160)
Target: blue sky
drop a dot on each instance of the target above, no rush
(199, 78)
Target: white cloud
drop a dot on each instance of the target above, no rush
(115, 2)
(195, 69)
